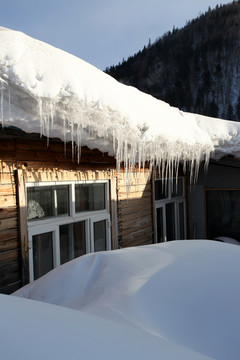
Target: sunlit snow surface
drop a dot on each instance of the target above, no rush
(183, 292)
(51, 92)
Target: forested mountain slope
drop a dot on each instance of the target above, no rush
(196, 68)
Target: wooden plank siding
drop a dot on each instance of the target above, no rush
(135, 209)
(24, 160)
(10, 257)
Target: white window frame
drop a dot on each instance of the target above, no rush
(176, 200)
(52, 224)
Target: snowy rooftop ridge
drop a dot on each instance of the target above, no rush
(51, 92)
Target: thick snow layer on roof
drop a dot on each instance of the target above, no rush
(51, 92)
(184, 292)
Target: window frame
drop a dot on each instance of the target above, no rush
(169, 199)
(52, 224)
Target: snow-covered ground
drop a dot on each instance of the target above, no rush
(51, 92)
(167, 299)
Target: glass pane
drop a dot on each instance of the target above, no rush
(47, 201)
(223, 213)
(100, 236)
(160, 237)
(161, 189)
(170, 222)
(181, 221)
(72, 241)
(177, 187)
(42, 254)
(89, 197)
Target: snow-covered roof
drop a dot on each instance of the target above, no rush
(182, 293)
(51, 92)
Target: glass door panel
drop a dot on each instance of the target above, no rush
(72, 241)
(160, 225)
(170, 221)
(42, 247)
(181, 221)
(100, 235)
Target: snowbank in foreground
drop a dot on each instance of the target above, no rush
(33, 330)
(49, 91)
(186, 292)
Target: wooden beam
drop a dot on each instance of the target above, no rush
(23, 231)
(114, 223)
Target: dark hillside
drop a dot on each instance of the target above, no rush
(196, 68)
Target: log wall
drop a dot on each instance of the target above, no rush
(10, 263)
(24, 160)
(21, 161)
(135, 209)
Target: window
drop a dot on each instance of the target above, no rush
(170, 213)
(66, 220)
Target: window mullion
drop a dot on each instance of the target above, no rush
(56, 247)
(72, 200)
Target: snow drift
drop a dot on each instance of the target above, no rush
(44, 331)
(51, 92)
(184, 292)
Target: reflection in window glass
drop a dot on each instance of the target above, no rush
(89, 197)
(100, 242)
(177, 187)
(170, 221)
(161, 189)
(223, 213)
(160, 237)
(72, 241)
(42, 254)
(181, 221)
(47, 201)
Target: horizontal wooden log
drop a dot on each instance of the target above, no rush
(8, 212)
(135, 195)
(134, 189)
(136, 242)
(9, 256)
(135, 222)
(7, 201)
(8, 244)
(9, 189)
(7, 155)
(135, 229)
(8, 223)
(126, 205)
(134, 213)
(8, 234)
(7, 145)
(10, 273)
(140, 234)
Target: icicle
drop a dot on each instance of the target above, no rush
(79, 134)
(72, 140)
(9, 105)
(2, 103)
(40, 109)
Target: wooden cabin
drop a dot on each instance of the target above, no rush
(40, 184)
(53, 209)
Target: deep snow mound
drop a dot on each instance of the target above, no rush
(184, 291)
